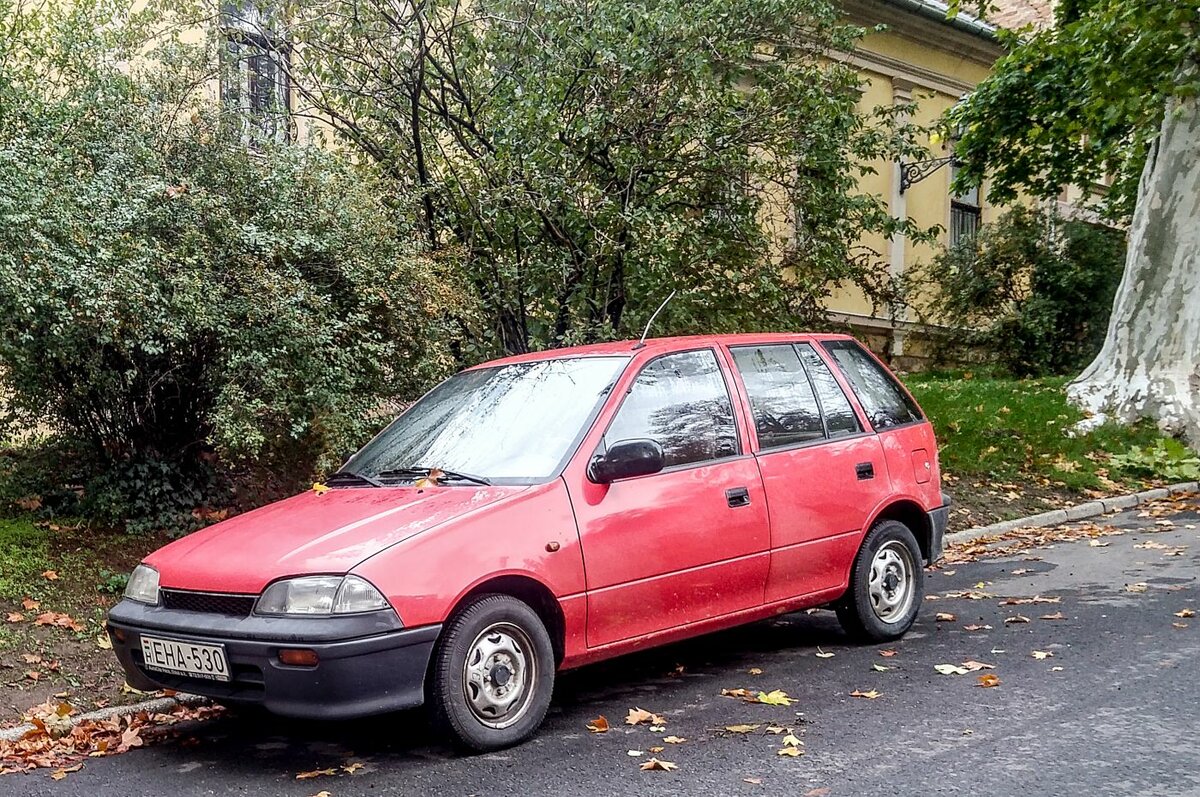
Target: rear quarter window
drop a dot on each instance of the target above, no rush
(883, 399)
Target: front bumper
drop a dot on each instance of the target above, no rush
(368, 663)
(938, 519)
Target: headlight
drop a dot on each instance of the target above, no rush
(143, 585)
(320, 595)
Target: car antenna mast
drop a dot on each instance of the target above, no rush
(641, 343)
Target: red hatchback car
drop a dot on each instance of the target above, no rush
(546, 511)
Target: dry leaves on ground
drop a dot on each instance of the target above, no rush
(869, 695)
(639, 716)
(661, 766)
(945, 617)
(989, 680)
(598, 725)
(1185, 613)
(59, 620)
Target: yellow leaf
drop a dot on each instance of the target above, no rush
(775, 697)
(790, 751)
(655, 764)
(989, 680)
(741, 728)
(944, 617)
(319, 488)
(755, 671)
(658, 749)
(871, 695)
(791, 741)
(103, 642)
(674, 740)
(1042, 654)
(637, 716)
(316, 773)
(950, 669)
(350, 769)
(1185, 613)
(598, 725)
(61, 772)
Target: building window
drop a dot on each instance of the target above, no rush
(966, 213)
(254, 80)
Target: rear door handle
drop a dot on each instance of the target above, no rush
(865, 470)
(738, 496)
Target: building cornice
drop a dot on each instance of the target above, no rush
(918, 21)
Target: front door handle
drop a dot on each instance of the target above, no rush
(865, 470)
(738, 496)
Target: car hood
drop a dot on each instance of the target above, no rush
(328, 532)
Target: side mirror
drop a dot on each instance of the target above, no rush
(627, 459)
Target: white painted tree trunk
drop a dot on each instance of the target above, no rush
(1149, 366)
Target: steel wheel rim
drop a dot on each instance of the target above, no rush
(892, 582)
(499, 674)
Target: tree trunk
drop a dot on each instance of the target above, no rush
(1149, 366)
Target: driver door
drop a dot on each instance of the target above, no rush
(690, 542)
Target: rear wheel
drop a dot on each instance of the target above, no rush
(887, 585)
(492, 674)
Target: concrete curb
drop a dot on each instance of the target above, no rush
(158, 705)
(1072, 513)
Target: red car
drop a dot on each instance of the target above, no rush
(546, 511)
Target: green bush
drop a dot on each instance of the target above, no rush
(172, 298)
(1032, 291)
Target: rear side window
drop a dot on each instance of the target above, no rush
(884, 401)
(781, 398)
(839, 415)
(680, 401)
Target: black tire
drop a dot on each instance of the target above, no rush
(857, 610)
(518, 637)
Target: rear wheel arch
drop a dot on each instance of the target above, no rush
(531, 592)
(911, 514)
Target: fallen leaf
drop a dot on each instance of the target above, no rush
(752, 781)
(658, 749)
(1141, 586)
(1016, 618)
(598, 725)
(989, 680)
(1042, 654)
(62, 772)
(1098, 544)
(1185, 613)
(15, 617)
(50, 575)
(775, 697)
(821, 792)
(657, 728)
(321, 794)
(634, 753)
(29, 604)
(880, 668)
(637, 716)
(350, 769)
(745, 694)
(319, 488)
(1056, 669)
(944, 617)
(1020, 571)
(316, 773)
(974, 666)
(431, 479)
(33, 675)
(742, 728)
(31, 658)
(755, 671)
(1029, 601)
(977, 627)
(791, 741)
(776, 729)
(823, 655)
(655, 764)
(887, 654)
(103, 642)
(790, 751)
(1180, 625)
(950, 669)
(674, 740)
(871, 695)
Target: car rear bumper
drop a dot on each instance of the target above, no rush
(938, 519)
(367, 664)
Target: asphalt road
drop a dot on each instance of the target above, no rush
(1114, 710)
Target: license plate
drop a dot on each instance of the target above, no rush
(179, 657)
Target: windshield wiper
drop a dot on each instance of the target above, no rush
(422, 471)
(350, 476)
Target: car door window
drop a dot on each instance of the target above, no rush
(681, 402)
(881, 396)
(839, 415)
(781, 397)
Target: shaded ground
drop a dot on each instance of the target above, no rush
(1109, 710)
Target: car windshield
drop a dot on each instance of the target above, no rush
(507, 424)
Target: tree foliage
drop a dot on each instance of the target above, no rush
(585, 157)
(1033, 291)
(1078, 103)
(169, 293)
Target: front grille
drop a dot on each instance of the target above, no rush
(209, 602)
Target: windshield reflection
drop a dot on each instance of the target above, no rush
(508, 424)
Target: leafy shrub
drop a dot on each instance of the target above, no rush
(1167, 458)
(171, 297)
(1034, 292)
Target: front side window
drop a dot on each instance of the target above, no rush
(782, 401)
(507, 424)
(680, 401)
(254, 69)
(881, 396)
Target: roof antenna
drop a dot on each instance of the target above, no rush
(642, 343)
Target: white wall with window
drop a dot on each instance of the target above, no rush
(254, 75)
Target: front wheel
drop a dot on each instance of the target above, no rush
(887, 585)
(492, 674)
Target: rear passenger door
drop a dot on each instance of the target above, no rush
(821, 471)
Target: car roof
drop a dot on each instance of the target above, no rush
(654, 346)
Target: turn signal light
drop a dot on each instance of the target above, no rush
(298, 657)
(118, 634)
